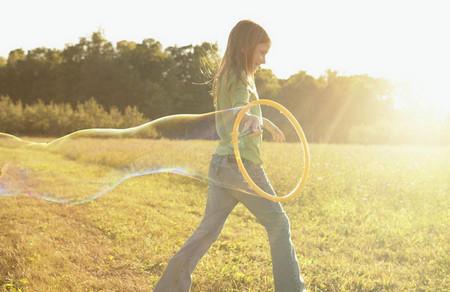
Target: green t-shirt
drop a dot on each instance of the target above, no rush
(233, 92)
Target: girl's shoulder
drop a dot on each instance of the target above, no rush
(240, 80)
(245, 83)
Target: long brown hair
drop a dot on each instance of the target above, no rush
(242, 41)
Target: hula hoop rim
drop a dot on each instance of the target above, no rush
(301, 135)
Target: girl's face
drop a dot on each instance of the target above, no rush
(259, 55)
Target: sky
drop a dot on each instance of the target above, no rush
(404, 41)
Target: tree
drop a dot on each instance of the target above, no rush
(267, 83)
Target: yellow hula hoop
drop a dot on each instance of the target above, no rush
(298, 129)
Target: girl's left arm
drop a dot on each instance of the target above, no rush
(277, 134)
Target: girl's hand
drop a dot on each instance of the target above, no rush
(277, 134)
(250, 125)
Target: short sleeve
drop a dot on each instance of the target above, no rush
(239, 94)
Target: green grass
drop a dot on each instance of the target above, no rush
(371, 218)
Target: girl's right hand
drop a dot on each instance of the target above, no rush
(251, 125)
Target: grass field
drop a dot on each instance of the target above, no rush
(371, 218)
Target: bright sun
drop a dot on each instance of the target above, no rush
(428, 96)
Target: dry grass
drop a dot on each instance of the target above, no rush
(372, 218)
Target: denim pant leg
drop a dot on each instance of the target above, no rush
(177, 275)
(285, 267)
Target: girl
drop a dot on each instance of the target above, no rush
(234, 86)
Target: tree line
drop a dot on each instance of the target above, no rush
(156, 81)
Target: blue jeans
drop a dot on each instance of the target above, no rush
(220, 202)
